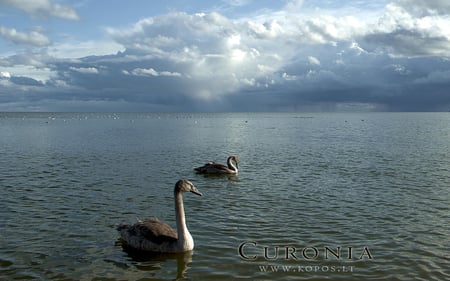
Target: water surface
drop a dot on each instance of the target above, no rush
(374, 184)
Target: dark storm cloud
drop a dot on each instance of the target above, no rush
(25, 81)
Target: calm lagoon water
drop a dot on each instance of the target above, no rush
(318, 196)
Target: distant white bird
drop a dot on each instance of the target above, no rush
(154, 235)
(217, 168)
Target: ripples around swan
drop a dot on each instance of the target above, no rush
(306, 182)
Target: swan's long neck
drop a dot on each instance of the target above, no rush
(184, 237)
(231, 164)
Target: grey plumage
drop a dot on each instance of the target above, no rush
(217, 168)
(154, 235)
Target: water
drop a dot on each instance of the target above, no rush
(375, 185)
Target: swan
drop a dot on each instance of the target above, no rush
(217, 168)
(153, 235)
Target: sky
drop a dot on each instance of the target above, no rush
(222, 56)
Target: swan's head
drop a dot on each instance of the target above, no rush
(186, 186)
(235, 159)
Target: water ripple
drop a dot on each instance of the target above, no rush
(326, 181)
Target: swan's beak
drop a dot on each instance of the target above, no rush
(195, 191)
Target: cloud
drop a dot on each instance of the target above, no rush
(237, 3)
(426, 7)
(25, 81)
(401, 33)
(394, 59)
(5, 74)
(78, 49)
(151, 72)
(43, 8)
(39, 9)
(33, 38)
(313, 61)
(435, 78)
(86, 70)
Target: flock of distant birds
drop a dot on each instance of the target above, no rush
(153, 235)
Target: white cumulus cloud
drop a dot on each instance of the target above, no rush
(86, 70)
(43, 8)
(34, 38)
(152, 72)
(5, 74)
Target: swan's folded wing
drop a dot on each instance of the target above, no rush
(153, 230)
(211, 167)
(202, 168)
(217, 167)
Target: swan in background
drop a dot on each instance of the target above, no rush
(154, 235)
(217, 168)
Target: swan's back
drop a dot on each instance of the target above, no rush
(150, 234)
(212, 167)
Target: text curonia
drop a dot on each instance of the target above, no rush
(251, 250)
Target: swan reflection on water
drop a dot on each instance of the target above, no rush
(153, 261)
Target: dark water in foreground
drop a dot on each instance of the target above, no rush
(312, 190)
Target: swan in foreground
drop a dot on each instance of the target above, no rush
(217, 168)
(154, 235)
